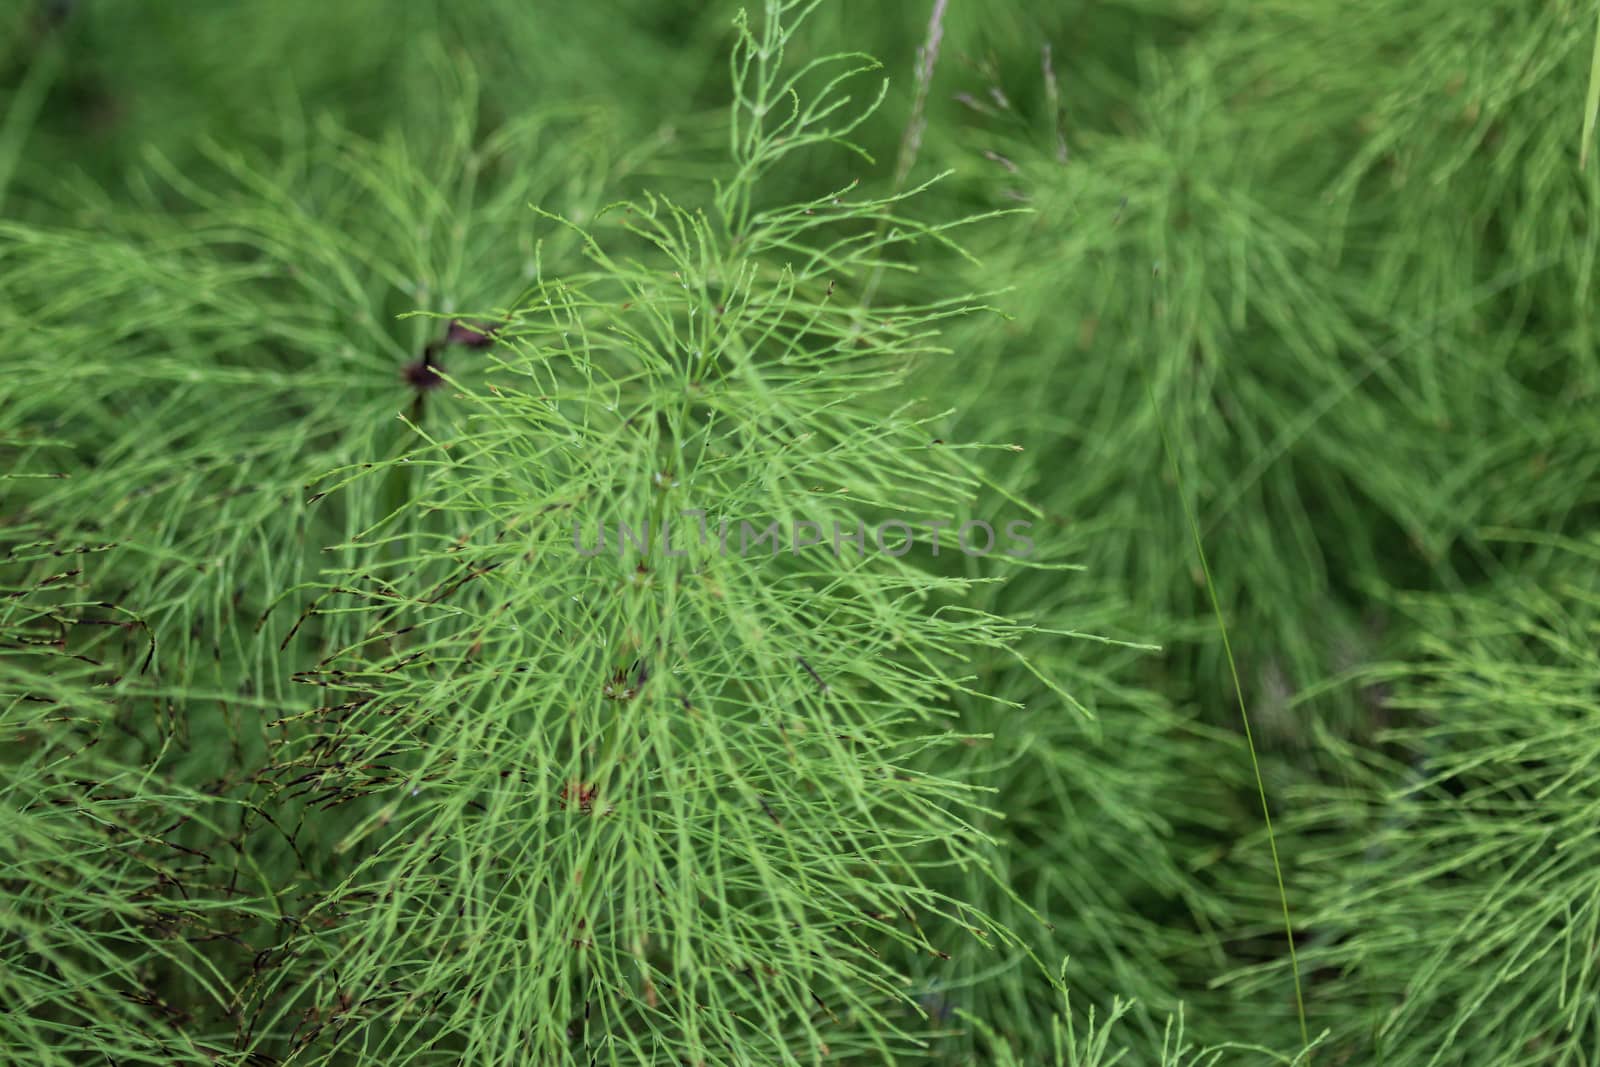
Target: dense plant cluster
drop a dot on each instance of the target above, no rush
(343, 719)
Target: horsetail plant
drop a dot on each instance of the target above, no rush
(538, 805)
(561, 534)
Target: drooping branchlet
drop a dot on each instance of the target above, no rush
(479, 335)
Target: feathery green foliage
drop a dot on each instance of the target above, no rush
(337, 333)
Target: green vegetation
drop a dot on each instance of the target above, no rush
(337, 332)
